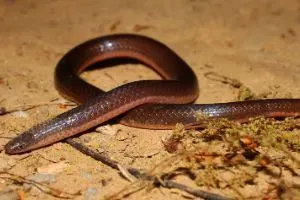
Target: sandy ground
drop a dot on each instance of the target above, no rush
(256, 42)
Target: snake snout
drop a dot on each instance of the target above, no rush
(17, 145)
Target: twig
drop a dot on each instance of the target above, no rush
(223, 79)
(4, 110)
(142, 175)
(197, 193)
(102, 157)
(126, 174)
(42, 187)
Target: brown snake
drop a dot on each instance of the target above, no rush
(180, 87)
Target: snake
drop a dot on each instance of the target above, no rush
(150, 104)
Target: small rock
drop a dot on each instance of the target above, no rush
(21, 114)
(107, 130)
(87, 175)
(90, 193)
(40, 178)
(53, 168)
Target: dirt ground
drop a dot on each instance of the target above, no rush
(256, 42)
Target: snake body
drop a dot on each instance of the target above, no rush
(152, 104)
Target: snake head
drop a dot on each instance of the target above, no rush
(18, 144)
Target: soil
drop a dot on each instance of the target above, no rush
(255, 42)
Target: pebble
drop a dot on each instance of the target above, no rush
(87, 175)
(21, 114)
(90, 194)
(41, 178)
(107, 130)
(53, 168)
